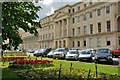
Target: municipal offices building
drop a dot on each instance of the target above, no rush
(83, 25)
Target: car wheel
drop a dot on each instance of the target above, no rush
(96, 61)
(90, 60)
(79, 60)
(54, 58)
(110, 62)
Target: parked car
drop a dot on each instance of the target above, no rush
(116, 53)
(85, 55)
(72, 54)
(51, 54)
(35, 52)
(30, 52)
(43, 52)
(60, 53)
(104, 55)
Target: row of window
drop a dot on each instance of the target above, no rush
(99, 27)
(91, 42)
(47, 36)
(98, 11)
(78, 8)
(47, 28)
(48, 19)
(91, 14)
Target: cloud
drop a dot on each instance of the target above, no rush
(49, 7)
(51, 12)
(47, 2)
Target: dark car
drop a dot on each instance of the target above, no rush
(43, 52)
(103, 55)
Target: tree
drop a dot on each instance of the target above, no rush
(16, 15)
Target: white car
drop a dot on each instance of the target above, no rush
(51, 54)
(85, 55)
(72, 54)
(60, 53)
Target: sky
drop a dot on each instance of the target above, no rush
(49, 6)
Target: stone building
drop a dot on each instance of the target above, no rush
(82, 25)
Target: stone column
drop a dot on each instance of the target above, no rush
(58, 29)
(68, 27)
(55, 30)
(63, 28)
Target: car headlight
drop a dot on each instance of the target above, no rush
(109, 56)
(62, 54)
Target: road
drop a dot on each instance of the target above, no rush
(116, 61)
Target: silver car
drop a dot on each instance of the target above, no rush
(103, 55)
(85, 55)
(72, 54)
(51, 54)
(60, 53)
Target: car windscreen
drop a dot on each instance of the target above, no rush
(103, 51)
(73, 52)
(31, 51)
(85, 52)
(60, 50)
(42, 50)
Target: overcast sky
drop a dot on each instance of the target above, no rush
(49, 6)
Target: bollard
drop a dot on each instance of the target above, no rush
(70, 67)
(59, 72)
(96, 69)
(88, 74)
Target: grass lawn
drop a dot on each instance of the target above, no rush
(83, 65)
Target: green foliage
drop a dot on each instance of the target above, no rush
(8, 74)
(16, 15)
(53, 74)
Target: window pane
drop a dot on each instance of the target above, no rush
(73, 44)
(90, 14)
(73, 31)
(108, 26)
(84, 5)
(78, 18)
(78, 7)
(73, 10)
(78, 30)
(108, 42)
(69, 10)
(108, 9)
(98, 12)
(84, 41)
(91, 29)
(84, 30)
(73, 20)
(99, 42)
(90, 43)
(78, 43)
(84, 17)
(99, 27)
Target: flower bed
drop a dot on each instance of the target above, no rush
(32, 62)
(22, 63)
(12, 58)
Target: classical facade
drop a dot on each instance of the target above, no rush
(82, 25)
